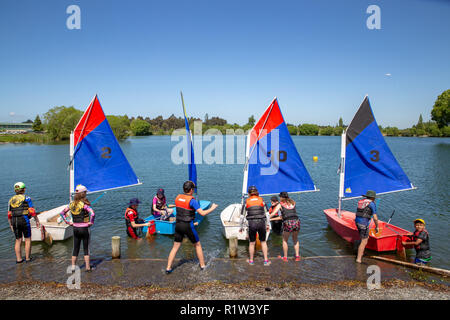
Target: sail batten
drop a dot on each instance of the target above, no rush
(369, 163)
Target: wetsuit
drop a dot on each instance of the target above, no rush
(20, 209)
(184, 226)
(256, 217)
(130, 216)
(82, 217)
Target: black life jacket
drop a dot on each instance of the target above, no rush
(425, 244)
(18, 205)
(288, 214)
(184, 211)
(255, 208)
(364, 210)
(159, 203)
(79, 214)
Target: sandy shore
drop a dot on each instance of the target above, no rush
(313, 278)
(346, 290)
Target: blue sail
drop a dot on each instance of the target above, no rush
(369, 163)
(274, 164)
(99, 163)
(191, 161)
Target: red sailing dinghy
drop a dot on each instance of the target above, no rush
(367, 163)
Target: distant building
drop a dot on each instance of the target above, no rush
(15, 127)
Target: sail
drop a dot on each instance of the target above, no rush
(369, 163)
(191, 161)
(98, 161)
(274, 164)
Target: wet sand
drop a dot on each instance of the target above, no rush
(311, 278)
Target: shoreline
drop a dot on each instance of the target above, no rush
(313, 278)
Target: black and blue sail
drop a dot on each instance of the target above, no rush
(369, 163)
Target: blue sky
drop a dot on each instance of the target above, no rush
(230, 58)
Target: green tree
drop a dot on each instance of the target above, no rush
(292, 130)
(341, 123)
(326, 131)
(251, 121)
(420, 123)
(338, 130)
(441, 109)
(307, 129)
(37, 124)
(60, 121)
(120, 125)
(140, 127)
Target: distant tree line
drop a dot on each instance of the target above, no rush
(58, 122)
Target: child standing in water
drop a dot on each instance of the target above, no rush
(421, 242)
(82, 219)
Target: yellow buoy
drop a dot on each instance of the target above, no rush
(315, 158)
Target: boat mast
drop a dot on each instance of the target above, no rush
(342, 172)
(71, 168)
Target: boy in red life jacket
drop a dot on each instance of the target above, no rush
(184, 226)
(256, 217)
(132, 220)
(421, 242)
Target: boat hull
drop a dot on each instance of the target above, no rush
(388, 239)
(168, 227)
(59, 230)
(233, 227)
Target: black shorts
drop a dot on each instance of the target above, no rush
(257, 226)
(21, 227)
(363, 230)
(186, 229)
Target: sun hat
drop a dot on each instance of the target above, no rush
(80, 188)
(370, 194)
(19, 185)
(419, 220)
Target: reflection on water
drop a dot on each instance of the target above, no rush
(425, 161)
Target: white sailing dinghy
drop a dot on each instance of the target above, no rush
(96, 161)
(272, 165)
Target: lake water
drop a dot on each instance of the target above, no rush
(43, 168)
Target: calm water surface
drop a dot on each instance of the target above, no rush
(43, 168)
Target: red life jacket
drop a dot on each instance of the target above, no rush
(184, 211)
(255, 208)
(127, 219)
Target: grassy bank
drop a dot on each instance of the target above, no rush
(24, 138)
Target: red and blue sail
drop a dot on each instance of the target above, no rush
(98, 161)
(274, 164)
(191, 161)
(369, 163)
